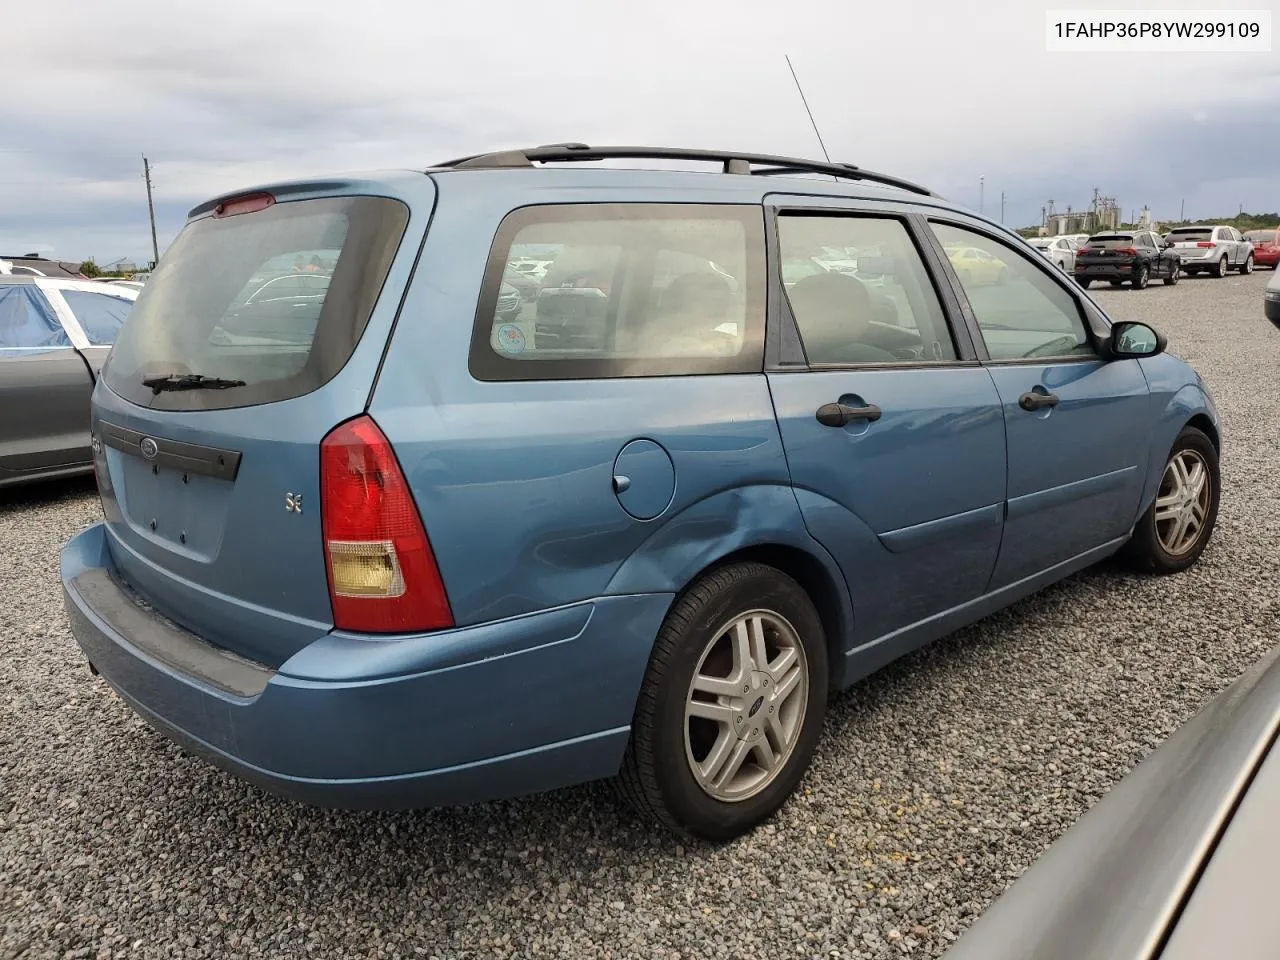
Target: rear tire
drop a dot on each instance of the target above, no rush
(1246, 268)
(1159, 545)
(1084, 282)
(1220, 270)
(1141, 278)
(1173, 276)
(717, 633)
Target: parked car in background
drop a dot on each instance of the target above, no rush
(974, 265)
(1174, 862)
(1271, 299)
(54, 335)
(131, 284)
(524, 282)
(398, 555)
(1212, 250)
(1137, 257)
(1060, 251)
(1266, 246)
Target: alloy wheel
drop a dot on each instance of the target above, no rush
(746, 705)
(1183, 502)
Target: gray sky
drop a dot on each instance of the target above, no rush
(934, 91)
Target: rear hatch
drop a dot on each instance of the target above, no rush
(261, 329)
(1117, 247)
(1193, 242)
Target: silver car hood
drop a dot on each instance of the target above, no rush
(1113, 885)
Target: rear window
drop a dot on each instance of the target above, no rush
(1191, 235)
(277, 299)
(623, 290)
(1111, 238)
(1261, 236)
(101, 316)
(27, 321)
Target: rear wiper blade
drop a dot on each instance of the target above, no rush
(189, 381)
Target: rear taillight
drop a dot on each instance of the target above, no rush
(1206, 243)
(1126, 251)
(383, 576)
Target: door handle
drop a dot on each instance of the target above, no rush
(1037, 401)
(841, 414)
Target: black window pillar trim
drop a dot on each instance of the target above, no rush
(963, 317)
(784, 348)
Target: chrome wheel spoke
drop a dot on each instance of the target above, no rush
(759, 651)
(743, 661)
(717, 686)
(786, 687)
(718, 712)
(741, 715)
(764, 753)
(782, 663)
(732, 764)
(725, 744)
(1167, 511)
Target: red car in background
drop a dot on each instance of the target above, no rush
(1266, 246)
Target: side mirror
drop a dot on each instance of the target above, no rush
(1130, 340)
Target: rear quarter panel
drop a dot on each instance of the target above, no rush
(514, 480)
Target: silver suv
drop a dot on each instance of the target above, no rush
(1215, 249)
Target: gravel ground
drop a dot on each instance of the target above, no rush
(938, 781)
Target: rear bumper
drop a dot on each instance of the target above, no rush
(501, 709)
(1104, 271)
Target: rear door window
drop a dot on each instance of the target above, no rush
(101, 316)
(877, 305)
(277, 298)
(626, 290)
(27, 320)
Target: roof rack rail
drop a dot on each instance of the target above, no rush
(735, 163)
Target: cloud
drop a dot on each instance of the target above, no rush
(242, 93)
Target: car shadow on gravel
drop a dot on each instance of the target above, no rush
(45, 494)
(398, 849)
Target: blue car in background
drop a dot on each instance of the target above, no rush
(399, 539)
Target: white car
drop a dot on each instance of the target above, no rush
(1060, 251)
(1212, 249)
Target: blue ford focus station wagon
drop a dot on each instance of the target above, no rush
(425, 488)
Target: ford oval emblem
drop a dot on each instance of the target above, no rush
(149, 448)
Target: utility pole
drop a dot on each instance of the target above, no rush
(1002, 206)
(1182, 210)
(982, 189)
(151, 211)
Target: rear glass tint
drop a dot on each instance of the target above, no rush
(27, 320)
(1189, 236)
(101, 316)
(1261, 236)
(277, 298)
(622, 290)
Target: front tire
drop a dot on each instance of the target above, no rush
(1246, 268)
(1173, 532)
(731, 706)
(1084, 282)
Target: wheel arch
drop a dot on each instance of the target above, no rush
(761, 523)
(830, 597)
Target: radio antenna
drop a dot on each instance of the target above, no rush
(805, 101)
